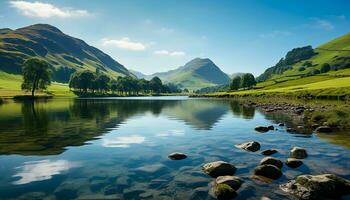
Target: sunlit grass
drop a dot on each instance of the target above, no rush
(10, 85)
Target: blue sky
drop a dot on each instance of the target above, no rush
(157, 35)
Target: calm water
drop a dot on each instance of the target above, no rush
(117, 148)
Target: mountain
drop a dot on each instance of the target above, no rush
(195, 74)
(66, 54)
(306, 61)
(138, 74)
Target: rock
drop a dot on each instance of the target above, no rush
(323, 129)
(271, 161)
(325, 186)
(219, 168)
(314, 126)
(271, 127)
(261, 128)
(177, 156)
(224, 192)
(269, 152)
(268, 171)
(290, 130)
(249, 146)
(298, 153)
(281, 124)
(233, 181)
(293, 163)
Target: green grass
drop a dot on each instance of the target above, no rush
(332, 84)
(10, 85)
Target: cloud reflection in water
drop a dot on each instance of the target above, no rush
(42, 170)
(123, 141)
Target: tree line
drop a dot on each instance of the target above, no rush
(88, 82)
(245, 81)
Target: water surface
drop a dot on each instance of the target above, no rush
(116, 148)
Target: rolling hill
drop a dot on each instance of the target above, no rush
(197, 73)
(66, 54)
(305, 61)
(299, 74)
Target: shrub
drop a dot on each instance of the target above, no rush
(301, 69)
(307, 64)
(325, 68)
(316, 71)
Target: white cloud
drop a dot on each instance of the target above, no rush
(42, 170)
(123, 141)
(322, 24)
(276, 33)
(170, 53)
(124, 43)
(45, 10)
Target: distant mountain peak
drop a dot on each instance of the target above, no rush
(196, 73)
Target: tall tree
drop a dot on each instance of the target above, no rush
(236, 83)
(248, 80)
(156, 84)
(36, 75)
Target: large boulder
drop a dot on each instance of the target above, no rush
(249, 146)
(224, 192)
(262, 128)
(268, 152)
(233, 181)
(218, 168)
(293, 162)
(320, 187)
(323, 129)
(177, 156)
(268, 171)
(298, 153)
(271, 161)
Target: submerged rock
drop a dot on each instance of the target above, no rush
(271, 161)
(219, 168)
(177, 156)
(318, 187)
(233, 181)
(290, 130)
(271, 127)
(293, 162)
(269, 152)
(298, 153)
(281, 124)
(323, 129)
(268, 171)
(224, 192)
(262, 128)
(249, 146)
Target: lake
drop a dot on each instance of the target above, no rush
(117, 148)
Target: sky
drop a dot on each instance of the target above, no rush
(159, 35)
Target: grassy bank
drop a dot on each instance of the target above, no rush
(332, 85)
(10, 86)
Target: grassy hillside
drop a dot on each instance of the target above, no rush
(10, 85)
(299, 78)
(66, 54)
(334, 84)
(336, 53)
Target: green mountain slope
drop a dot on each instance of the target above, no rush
(195, 74)
(336, 53)
(65, 53)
